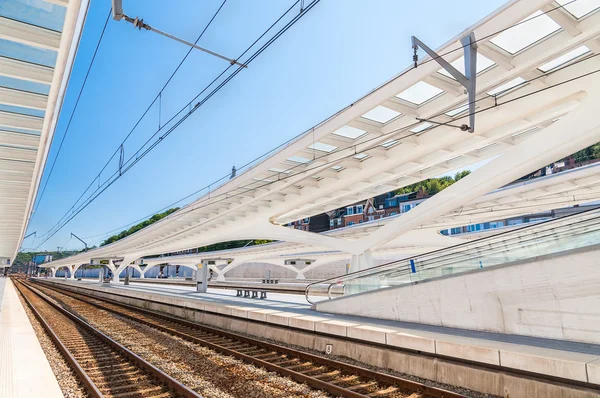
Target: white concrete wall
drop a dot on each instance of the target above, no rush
(554, 297)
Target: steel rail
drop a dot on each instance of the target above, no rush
(274, 349)
(178, 387)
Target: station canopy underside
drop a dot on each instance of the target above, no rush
(37, 43)
(532, 80)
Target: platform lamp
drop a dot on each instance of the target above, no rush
(33, 254)
(85, 250)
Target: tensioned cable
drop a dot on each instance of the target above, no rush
(378, 138)
(92, 198)
(118, 173)
(147, 109)
(185, 116)
(227, 196)
(121, 172)
(62, 141)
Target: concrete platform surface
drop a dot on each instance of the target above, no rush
(564, 359)
(24, 368)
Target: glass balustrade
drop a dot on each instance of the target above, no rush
(548, 237)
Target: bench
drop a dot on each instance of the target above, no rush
(245, 292)
(270, 281)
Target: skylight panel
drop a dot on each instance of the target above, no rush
(580, 8)
(458, 110)
(526, 33)
(278, 170)
(390, 143)
(350, 132)
(298, 159)
(381, 114)
(524, 132)
(419, 93)
(360, 156)
(563, 59)
(421, 127)
(483, 63)
(262, 179)
(319, 146)
(506, 86)
(337, 168)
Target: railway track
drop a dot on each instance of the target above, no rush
(336, 378)
(105, 367)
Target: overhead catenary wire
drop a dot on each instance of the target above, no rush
(118, 173)
(227, 195)
(237, 71)
(300, 165)
(148, 108)
(62, 141)
(134, 159)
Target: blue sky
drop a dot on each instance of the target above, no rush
(336, 53)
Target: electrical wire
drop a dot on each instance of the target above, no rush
(62, 141)
(226, 195)
(147, 108)
(300, 165)
(378, 138)
(138, 157)
(118, 173)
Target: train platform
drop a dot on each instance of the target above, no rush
(24, 368)
(561, 360)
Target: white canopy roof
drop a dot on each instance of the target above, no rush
(377, 144)
(38, 40)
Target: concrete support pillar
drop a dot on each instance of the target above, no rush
(53, 272)
(300, 275)
(361, 262)
(72, 269)
(202, 277)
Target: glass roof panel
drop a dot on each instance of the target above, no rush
(278, 170)
(381, 114)
(350, 132)
(419, 93)
(458, 110)
(504, 88)
(35, 12)
(536, 27)
(319, 146)
(26, 53)
(360, 156)
(21, 110)
(337, 168)
(421, 127)
(563, 59)
(483, 63)
(579, 8)
(24, 85)
(389, 143)
(298, 159)
(21, 131)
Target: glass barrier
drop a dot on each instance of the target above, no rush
(548, 237)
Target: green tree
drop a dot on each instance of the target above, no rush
(431, 186)
(138, 227)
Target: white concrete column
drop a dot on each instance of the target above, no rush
(300, 275)
(361, 262)
(202, 277)
(53, 272)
